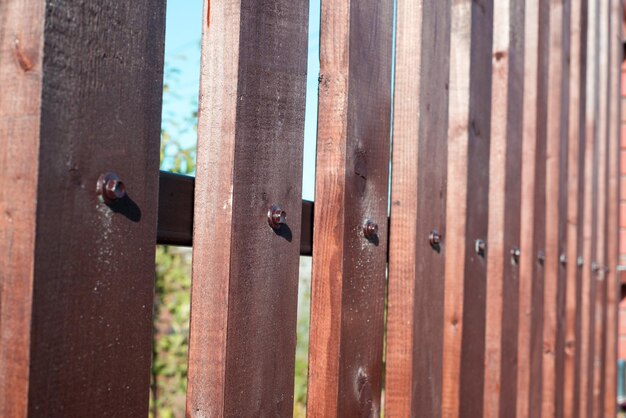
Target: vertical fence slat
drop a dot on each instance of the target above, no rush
(612, 279)
(588, 215)
(466, 212)
(348, 282)
(416, 267)
(245, 274)
(552, 199)
(504, 210)
(527, 257)
(574, 153)
(82, 96)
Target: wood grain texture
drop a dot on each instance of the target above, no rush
(527, 223)
(67, 151)
(504, 210)
(348, 281)
(552, 215)
(584, 403)
(574, 153)
(612, 279)
(416, 275)
(468, 169)
(21, 74)
(86, 99)
(245, 274)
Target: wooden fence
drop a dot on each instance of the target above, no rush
(495, 155)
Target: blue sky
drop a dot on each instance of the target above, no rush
(182, 62)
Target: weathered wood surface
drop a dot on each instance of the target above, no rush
(552, 199)
(348, 281)
(82, 96)
(527, 222)
(245, 274)
(574, 175)
(468, 169)
(504, 210)
(416, 267)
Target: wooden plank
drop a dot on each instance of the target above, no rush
(83, 87)
(610, 393)
(175, 224)
(588, 215)
(468, 169)
(552, 200)
(574, 193)
(527, 258)
(348, 282)
(504, 210)
(245, 273)
(600, 218)
(416, 268)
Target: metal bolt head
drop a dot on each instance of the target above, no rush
(110, 188)
(434, 238)
(370, 229)
(541, 257)
(480, 247)
(580, 261)
(515, 254)
(276, 216)
(563, 259)
(594, 267)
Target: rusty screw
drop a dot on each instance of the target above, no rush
(515, 254)
(480, 247)
(434, 238)
(276, 216)
(110, 188)
(370, 229)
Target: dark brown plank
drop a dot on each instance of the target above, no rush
(85, 84)
(416, 268)
(467, 207)
(504, 211)
(348, 282)
(575, 158)
(527, 222)
(553, 199)
(539, 217)
(175, 226)
(245, 274)
(612, 279)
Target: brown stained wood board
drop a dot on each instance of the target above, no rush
(553, 205)
(589, 216)
(87, 100)
(538, 253)
(245, 273)
(475, 267)
(600, 212)
(564, 174)
(348, 282)
(575, 162)
(413, 362)
(527, 210)
(612, 282)
(504, 211)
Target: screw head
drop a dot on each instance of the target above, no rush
(580, 261)
(110, 188)
(515, 254)
(370, 229)
(594, 267)
(480, 246)
(541, 257)
(434, 238)
(276, 216)
(563, 259)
